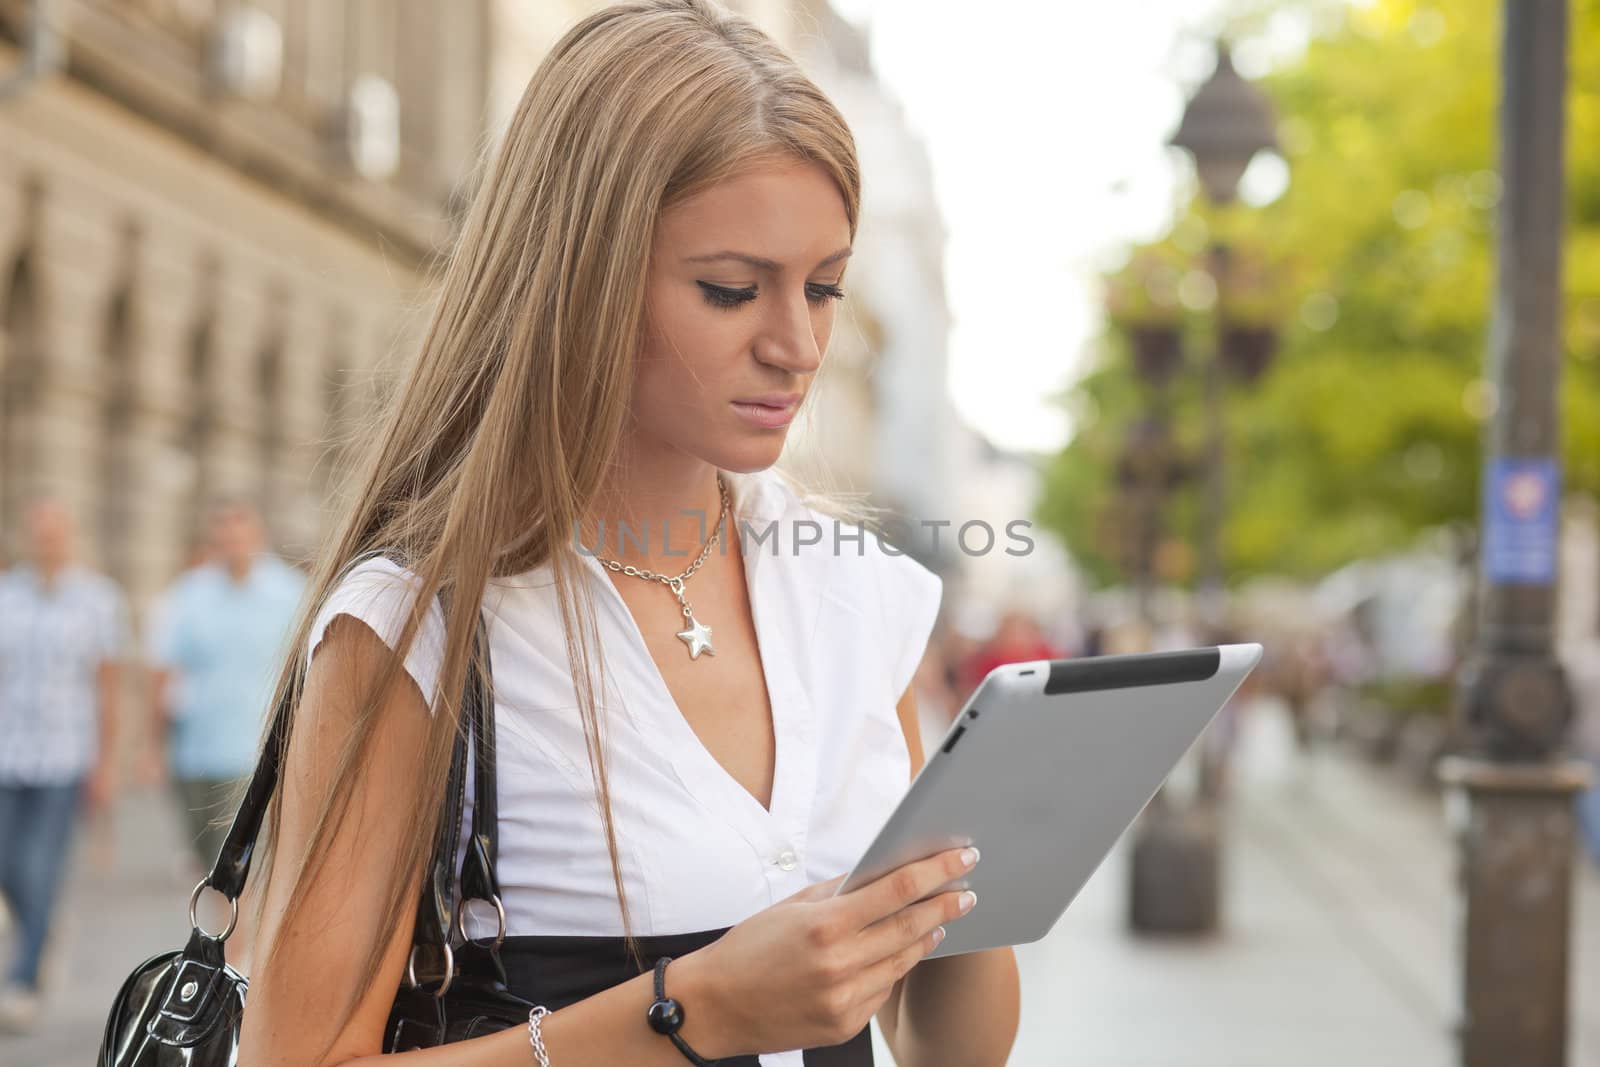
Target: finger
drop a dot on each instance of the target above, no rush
(909, 926)
(880, 976)
(904, 886)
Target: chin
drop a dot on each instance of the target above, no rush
(748, 455)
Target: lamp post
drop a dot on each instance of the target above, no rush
(1512, 795)
(1175, 885)
(1225, 125)
(1176, 877)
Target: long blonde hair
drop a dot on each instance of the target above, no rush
(511, 417)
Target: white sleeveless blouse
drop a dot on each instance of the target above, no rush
(841, 631)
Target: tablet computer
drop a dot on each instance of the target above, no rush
(1047, 764)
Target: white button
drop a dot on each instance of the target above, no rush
(787, 859)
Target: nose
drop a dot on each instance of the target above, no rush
(788, 337)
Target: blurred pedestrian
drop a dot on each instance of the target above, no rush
(216, 645)
(1017, 639)
(63, 634)
(1296, 674)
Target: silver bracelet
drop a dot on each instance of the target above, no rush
(535, 1038)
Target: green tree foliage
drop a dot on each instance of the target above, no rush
(1377, 264)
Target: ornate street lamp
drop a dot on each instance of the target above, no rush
(1175, 887)
(1227, 122)
(1225, 125)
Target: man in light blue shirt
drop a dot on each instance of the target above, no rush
(219, 642)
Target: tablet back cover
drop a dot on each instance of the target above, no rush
(1047, 765)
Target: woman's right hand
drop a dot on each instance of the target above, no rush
(813, 969)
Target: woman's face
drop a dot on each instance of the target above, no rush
(743, 287)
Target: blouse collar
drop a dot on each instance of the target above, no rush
(758, 496)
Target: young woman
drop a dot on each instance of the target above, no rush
(641, 297)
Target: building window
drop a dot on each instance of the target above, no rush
(199, 432)
(20, 367)
(114, 496)
(270, 437)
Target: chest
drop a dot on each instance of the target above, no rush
(224, 626)
(55, 630)
(735, 779)
(722, 695)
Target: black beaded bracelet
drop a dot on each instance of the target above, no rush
(666, 1015)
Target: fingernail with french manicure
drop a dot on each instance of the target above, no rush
(969, 856)
(938, 936)
(967, 900)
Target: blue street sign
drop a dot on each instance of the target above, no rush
(1521, 516)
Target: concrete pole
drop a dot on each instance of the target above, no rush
(1512, 796)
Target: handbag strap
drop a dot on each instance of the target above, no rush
(479, 880)
(436, 908)
(232, 865)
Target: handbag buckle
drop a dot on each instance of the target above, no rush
(449, 970)
(500, 915)
(194, 900)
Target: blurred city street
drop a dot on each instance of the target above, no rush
(1170, 325)
(1336, 952)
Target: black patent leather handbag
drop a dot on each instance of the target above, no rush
(185, 1007)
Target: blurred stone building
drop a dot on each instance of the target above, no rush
(215, 221)
(214, 218)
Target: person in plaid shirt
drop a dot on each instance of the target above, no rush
(63, 631)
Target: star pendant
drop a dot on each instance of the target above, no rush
(698, 638)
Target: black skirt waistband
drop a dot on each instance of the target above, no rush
(558, 970)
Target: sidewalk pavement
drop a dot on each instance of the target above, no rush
(127, 899)
(1337, 950)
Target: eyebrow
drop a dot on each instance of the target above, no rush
(762, 264)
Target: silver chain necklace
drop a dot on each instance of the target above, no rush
(698, 635)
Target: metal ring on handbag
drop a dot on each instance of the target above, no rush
(449, 970)
(461, 917)
(194, 900)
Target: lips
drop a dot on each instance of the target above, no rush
(771, 411)
(771, 400)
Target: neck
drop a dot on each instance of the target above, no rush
(49, 571)
(238, 569)
(657, 513)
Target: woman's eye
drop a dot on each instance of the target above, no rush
(723, 297)
(821, 294)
